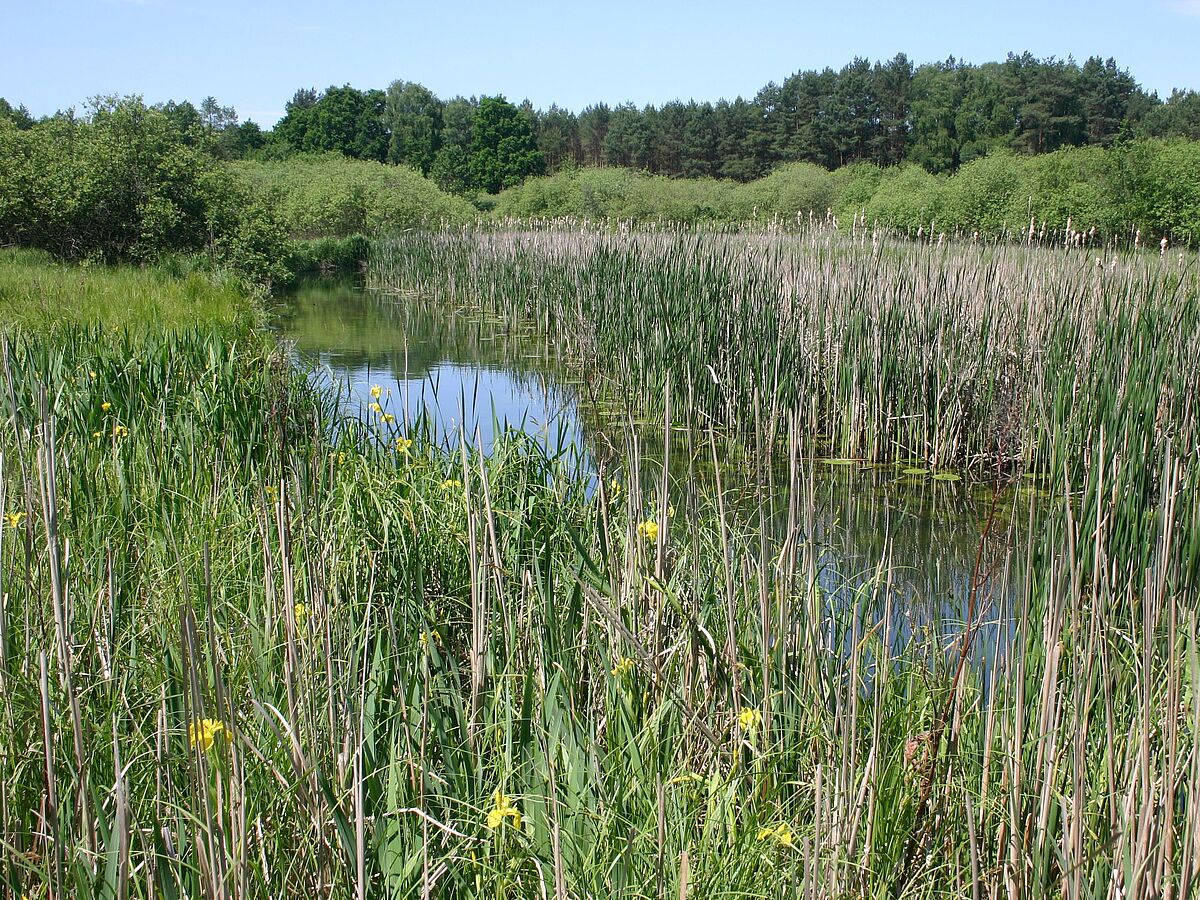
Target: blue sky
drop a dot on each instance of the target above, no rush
(254, 55)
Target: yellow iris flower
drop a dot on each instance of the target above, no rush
(503, 808)
(782, 834)
(203, 733)
(426, 636)
(749, 718)
(648, 530)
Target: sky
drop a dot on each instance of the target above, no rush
(254, 54)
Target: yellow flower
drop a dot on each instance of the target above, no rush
(782, 834)
(749, 718)
(426, 636)
(301, 613)
(648, 530)
(623, 667)
(106, 406)
(97, 434)
(120, 431)
(375, 407)
(376, 391)
(402, 444)
(670, 512)
(451, 484)
(503, 808)
(614, 486)
(203, 733)
(388, 418)
(91, 375)
(14, 519)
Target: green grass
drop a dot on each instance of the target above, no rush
(43, 295)
(389, 637)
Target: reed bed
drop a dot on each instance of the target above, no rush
(963, 356)
(253, 649)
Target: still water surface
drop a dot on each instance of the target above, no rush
(463, 374)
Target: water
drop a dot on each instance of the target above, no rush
(467, 375)
(463, 375)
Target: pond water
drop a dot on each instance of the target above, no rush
(456, 374)
(461, 373)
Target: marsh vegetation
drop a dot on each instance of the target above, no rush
(254, 642)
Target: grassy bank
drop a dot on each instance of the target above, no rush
(242, 658)
(43, 295)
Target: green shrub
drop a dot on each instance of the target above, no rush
(126, 184)
(989, 195)
(908, 198)
(1163, 183)
(791, 193)
(1150, 185)
(622, 194)
(855, 185)
(1076, 185)
(332, 195)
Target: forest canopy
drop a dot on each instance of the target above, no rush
(937, 115)
(941, 146)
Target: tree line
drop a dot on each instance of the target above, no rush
(938, 115)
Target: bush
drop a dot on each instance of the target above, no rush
(126, 184)
(791, 193)
(854, 186)
(1163, 182)
(908, 198)
(1078, 184)
(332, 195)
(989, 195)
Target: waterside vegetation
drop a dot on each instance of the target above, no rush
(249, 647)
